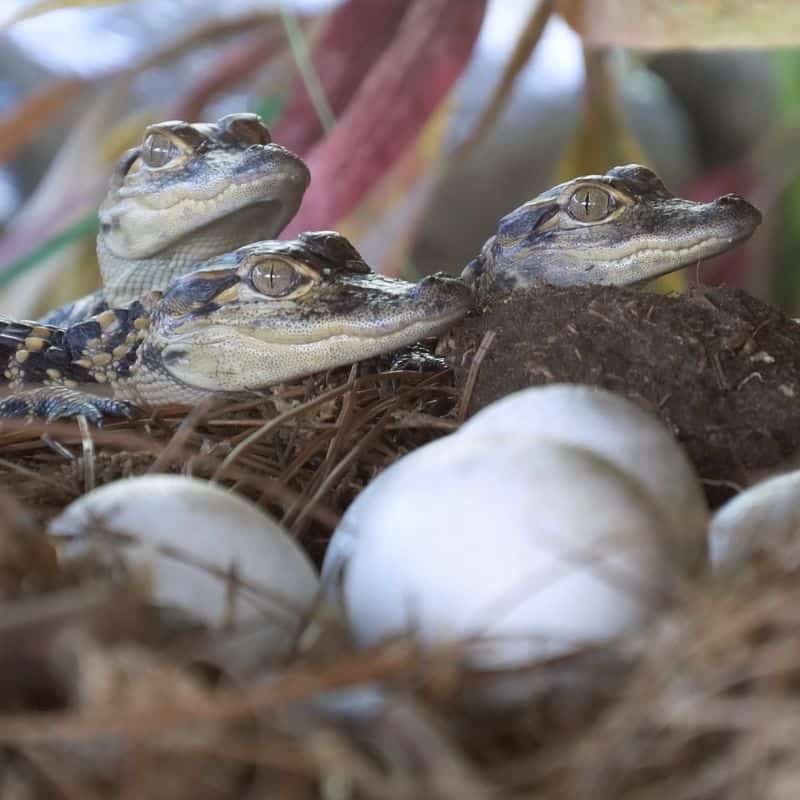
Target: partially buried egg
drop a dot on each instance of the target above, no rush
(617, 429)
(762, 522)
(518, 547)
(203, 550)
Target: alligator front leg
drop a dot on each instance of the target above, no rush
(60, 402)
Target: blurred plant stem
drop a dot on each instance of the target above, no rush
(786, 289)
(603, 139)
(302, 59)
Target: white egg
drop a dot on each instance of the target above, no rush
(519, 546)
(618, 430)
(764, 519)
(193, 540)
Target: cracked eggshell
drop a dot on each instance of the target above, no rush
(207, 527)
(761, 520)
(525, 547)
(616, 429)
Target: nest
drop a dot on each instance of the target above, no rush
(96, 701)
(302, 454)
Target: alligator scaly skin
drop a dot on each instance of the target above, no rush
(266, 313)
(188, 193)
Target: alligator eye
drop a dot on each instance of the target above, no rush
(590, 204)
(274, 277)
(158, 150)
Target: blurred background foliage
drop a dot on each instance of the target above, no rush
(423, 121)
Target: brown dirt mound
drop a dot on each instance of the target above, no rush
(721, 368)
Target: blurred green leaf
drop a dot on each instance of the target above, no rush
(270, 108)
(87, 226)
(787, 279)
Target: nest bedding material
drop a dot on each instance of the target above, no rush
(96, 700)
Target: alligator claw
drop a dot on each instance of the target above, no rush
(59, 402)
(416, 358)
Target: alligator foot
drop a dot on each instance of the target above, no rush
(59, 402)
(416, 358)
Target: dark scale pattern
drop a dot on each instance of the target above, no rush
(77, 336)
(46, 365)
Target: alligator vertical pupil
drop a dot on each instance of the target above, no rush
(157, 150)
(275, 277)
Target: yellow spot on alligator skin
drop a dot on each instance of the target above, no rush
(102, 359)
(21, 356)
(70, 383)
(230, 294)
(34, 344)
(100, 377)
(141, 323)
(131, 338)
(53, 373)
(120, 352)
(7, 374)
(106, 318)
(83, 362)
(40, 330)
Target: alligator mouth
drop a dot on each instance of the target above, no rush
(414, 329)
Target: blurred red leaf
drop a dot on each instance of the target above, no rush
(22, 122)
(354, 37)
(413, 75)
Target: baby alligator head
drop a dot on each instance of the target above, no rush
(278, 310)
(620, 228)
(188, 193)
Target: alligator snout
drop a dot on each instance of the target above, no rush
(280, 163)
(443, 293)
(741, 215)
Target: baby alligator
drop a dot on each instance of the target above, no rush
(273, 311)
(266, 313)
(621, 228)
(186, 194)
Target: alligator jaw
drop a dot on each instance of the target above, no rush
(142, 224)
(222, 336)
